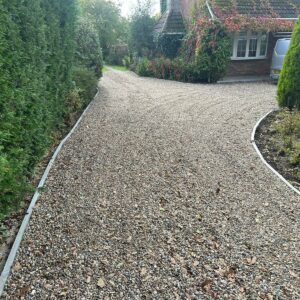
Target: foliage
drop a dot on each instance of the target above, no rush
(88, 50)
(289, 81)
(106, 17)
(126, 62)
(227, 13)
(169, 44)
(204, 56)
(86, 85)
(141, 33)
(212, 54)
(143, 68)
(36, 54)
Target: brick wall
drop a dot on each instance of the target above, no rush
(253, 67)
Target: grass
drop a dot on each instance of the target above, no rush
(104, 69)
(119, 68)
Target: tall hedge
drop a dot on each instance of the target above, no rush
(289, 81)
(36, 57)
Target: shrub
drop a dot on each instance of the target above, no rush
(207, 47)
(126, 62)
(204, 57)
(289, 81)
(143, 68)
(86, 84)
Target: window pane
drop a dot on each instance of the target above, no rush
(241, 48)
(263, 45)
(253, 47)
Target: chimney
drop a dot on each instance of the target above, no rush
(174, 5)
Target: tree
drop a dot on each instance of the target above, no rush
(107, 19)
(88, 50)
(289, 81)
(141, 29)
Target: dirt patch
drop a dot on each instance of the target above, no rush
(271, 144)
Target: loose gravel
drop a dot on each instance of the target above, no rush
(160, 195)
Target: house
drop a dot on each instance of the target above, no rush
(252, 48)
(171, 21)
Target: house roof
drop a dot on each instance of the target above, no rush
(258, 8)
(170, 22)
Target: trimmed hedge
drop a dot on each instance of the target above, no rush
(36, 59)
(289, 81)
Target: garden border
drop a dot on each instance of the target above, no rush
(261, 156)
(13, 252)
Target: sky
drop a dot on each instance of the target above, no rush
(127, 6)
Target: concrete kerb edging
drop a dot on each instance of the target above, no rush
(263, 159)
(13, 252)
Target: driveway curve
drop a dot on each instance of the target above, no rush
(160, 195)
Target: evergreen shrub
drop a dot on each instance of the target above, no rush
(289, 81)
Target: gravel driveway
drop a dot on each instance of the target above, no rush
(160, 195)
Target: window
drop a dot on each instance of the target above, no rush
(249, 45)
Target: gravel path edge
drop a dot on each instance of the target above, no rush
(257, 125)
(13, 252)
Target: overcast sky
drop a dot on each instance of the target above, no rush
(128, 6)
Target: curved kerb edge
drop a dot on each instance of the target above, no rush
(262, 158)
(13, 252)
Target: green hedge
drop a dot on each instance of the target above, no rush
(36, 58)
(289, 81)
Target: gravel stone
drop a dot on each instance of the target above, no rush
(159, 194)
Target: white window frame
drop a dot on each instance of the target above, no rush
(249, 35)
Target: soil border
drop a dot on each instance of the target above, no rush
(253, 141)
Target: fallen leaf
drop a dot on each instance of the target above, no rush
(251, 260)
(188, 297)
(270, 297)
(206, 285)
(24, 291)
(143, 271)
(17, 267)
(293, 274)
(196, 263)
(176, 296)
(101, 283)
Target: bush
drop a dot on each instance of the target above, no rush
(289, 81)
(127, 62)
(143, 68)
(207, 47)
(86, 85)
